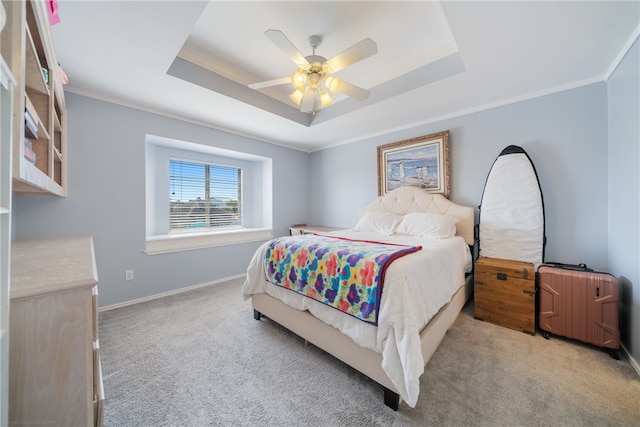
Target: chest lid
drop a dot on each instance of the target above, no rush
(505, 268)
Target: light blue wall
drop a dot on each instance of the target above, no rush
(585, 146)
(565, 134)
(106, 154)
(623, 89)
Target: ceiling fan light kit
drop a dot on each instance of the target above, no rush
(313, 82)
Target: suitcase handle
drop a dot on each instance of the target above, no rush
(577, 267)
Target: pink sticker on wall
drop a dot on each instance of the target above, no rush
(52, 7)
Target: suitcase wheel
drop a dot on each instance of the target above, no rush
(614, 353)
(546, 335)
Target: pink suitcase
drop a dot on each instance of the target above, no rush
(579, 303)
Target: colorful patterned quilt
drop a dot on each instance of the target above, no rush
(342, 273)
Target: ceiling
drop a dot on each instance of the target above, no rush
(194, 59)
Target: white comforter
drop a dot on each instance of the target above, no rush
(416, 287)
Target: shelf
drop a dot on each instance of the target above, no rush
(57, 113)
(57, 126)
(34, 80)
(31, 109)
(33, 181)
(38, 92)
(58, 154)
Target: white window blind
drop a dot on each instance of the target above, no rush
(204, 196)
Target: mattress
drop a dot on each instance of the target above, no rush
(416, 287)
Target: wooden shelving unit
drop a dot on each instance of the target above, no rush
(39, 93)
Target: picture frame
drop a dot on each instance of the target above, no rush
(419, 162)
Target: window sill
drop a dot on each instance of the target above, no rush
(167, 243)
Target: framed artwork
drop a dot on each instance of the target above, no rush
(419, 162)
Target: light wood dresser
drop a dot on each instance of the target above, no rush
(55, 375)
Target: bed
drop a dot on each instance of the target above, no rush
(412, 320)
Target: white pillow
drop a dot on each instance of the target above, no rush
(427, 224)
(379, 222)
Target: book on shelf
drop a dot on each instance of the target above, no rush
(58, 153)
(30, 125)
(29, 154)
(45, 75)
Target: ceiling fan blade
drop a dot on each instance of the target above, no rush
(306, 106)
(355, 53)
(270, 83)
(353, 91)
(280, 40)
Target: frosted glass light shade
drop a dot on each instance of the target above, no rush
(332, 84)
(314, 80)
(325, 99)
(298, 80)
(297, 97)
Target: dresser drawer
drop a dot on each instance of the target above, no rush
(98, 386)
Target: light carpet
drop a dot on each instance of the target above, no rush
(200, 359)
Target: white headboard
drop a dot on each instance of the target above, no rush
(413, 199)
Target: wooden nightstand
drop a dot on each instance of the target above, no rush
(505, 293)
(310, 229)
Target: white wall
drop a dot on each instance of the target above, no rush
(623, 89)
(106, 153)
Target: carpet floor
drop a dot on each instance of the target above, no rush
(200, 359)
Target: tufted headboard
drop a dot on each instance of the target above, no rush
(413, 199)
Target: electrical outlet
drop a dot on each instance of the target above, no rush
(128, 275)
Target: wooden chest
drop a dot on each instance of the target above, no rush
(505, 293)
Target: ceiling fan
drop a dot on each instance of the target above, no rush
(313, 81)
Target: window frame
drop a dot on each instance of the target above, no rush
(209, 165)
(257, 193)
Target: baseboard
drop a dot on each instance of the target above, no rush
(165, 294)
(634, 363)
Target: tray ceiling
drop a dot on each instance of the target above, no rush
(194, 59)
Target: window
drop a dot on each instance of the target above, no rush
(204, 196)
(239, 195)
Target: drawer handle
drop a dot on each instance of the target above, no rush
(502, 276)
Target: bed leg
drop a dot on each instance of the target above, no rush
(256, 314)
(391, 399)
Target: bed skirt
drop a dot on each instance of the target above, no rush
(365, 360)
